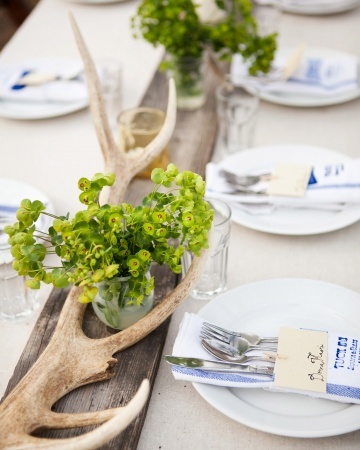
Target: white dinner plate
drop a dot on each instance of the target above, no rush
(40, 110)
(263, 307)
(11, 193)
(317, 8)
(289, 221)
(306, 101)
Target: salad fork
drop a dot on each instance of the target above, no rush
(225, 335)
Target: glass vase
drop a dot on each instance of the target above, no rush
(188, 75)
(111, 307)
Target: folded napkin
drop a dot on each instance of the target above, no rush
(188, 344)
(316, 76)
(331, 186)
(343, 376)
(58, 91)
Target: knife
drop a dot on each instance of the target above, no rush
(218, 366)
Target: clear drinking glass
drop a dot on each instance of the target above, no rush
(237, 113)
(137, 128)
(214, 277)
(17, 301)
(111, 76)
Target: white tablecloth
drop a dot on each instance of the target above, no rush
(53, 154)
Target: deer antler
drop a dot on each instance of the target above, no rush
(72, 359)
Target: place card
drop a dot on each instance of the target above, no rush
(301, 361)
(289, 180)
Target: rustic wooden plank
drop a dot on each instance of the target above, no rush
(190, 148)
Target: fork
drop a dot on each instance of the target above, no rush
(225, 335)
(240, 344)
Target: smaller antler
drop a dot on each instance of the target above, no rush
(117, 161)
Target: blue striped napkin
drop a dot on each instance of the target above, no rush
(343, 371)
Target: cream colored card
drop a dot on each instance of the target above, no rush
(302, 360)
(290, 180)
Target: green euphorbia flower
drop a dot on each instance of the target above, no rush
(102, 242)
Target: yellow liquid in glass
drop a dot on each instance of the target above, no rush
(137, 128)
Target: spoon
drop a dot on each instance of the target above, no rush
(226, 352)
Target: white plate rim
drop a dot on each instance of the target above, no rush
(311, 102)
(318, 9)
(222, 310)
(54, 109)
(96, 2)
(247, 159)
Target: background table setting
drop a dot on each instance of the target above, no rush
(287, 266)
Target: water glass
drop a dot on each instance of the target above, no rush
(237, 113)
(17, 301)
(111, 75)
(267, 16)
(137, 128)
(213, 280)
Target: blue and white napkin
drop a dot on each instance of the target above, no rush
(316, 76)
(58, 91)
(343, 374)
(332, 186)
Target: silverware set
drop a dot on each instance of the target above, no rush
(234, 352)
(244, 183)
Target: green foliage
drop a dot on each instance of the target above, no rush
(175, 25)
(106, 241)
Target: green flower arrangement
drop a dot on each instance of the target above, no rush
(106, 241)
(178, 26)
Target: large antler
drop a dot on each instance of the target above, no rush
(72, 359)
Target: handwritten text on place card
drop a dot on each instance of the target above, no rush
(290, 180)
(302, 361)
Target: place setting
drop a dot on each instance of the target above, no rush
(303, 76)
(328, 201)
(42, 88)
(266, 353)
(315, 7)
(49, 87)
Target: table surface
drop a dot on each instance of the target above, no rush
(34, 151)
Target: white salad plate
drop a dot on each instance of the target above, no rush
(317, 8)
(263, 307)
(289, 221)
(301, 100)
(34, 110)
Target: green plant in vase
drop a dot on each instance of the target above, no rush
(108, 249)
(187, 28)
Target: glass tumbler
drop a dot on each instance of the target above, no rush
(16, 301)
(137, 128)
(237, 113)
(213, 280)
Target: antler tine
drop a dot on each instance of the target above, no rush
(103, 130)
(92, 440)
